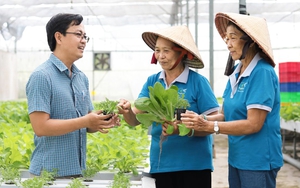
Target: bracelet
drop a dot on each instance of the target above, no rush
(193, 131)
(204, 117)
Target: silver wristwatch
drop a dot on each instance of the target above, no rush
(216, 127)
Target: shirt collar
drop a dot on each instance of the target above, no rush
(61, 66)
(246, 73)
(183, 77)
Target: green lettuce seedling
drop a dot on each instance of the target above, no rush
(107, 106)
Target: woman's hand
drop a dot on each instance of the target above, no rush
(116, 120)
(170, 125)
(194, 121)
(124, 106)
(128, 112)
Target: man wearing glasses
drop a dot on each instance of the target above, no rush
(59, 104)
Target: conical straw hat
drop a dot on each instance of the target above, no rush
(256, 28)
(179, 35)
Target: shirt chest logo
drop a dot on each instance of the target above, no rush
(242, 87)
(181, 92)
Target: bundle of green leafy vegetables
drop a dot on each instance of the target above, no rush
(160, 106)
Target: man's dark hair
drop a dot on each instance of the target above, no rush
(60, 23)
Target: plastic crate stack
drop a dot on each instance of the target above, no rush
(289, 78)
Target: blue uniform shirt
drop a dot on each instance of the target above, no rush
(51, 90)
(258, 88)
(182, 152)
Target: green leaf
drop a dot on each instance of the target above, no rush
(159, 92)
(142, 103)
(147, 119)
(145, 104)
(183, 130)
(170, 129)
(155, 103)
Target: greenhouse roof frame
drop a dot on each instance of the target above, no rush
(15, 15)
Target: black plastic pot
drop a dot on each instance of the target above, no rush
(178, 112)
(105, 113)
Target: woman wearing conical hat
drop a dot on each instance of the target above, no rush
(250, 111)
(182, 161)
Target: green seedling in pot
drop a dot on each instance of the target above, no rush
(107, 106)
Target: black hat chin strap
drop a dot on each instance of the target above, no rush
(249, 41)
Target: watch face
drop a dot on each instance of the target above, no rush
(216, 127)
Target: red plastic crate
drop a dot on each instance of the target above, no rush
(289, 77)
(289, 67)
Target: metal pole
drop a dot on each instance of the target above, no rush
(242, 7)
(196, 22)
(187, 13)
(211, 43)
(181, 11)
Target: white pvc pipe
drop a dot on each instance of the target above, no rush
(291, 161)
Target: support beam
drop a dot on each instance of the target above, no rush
(196, 22)
(187, 13)
(211, 43)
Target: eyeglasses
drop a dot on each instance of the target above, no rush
(80, 35)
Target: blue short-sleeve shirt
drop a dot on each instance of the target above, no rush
(51, 90)
(257, 87)
(182, 152)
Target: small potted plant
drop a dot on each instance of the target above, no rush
(107, 106)
(180, 107)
